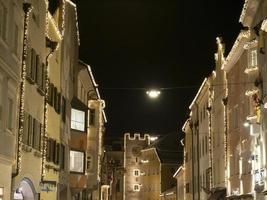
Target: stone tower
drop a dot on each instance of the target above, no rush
(132, 159)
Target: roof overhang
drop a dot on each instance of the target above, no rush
(237, 50)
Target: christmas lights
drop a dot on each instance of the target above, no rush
(27, 10)
(210, 101)
(236, 50)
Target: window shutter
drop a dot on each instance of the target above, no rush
(30, 132)
(37, 70)
(33, 65)
(54, 151)
(48, 152)
(51, 94)
(62, 156)
(58, 103)
(63, 113)
(43, 77)
(55, 98)
(28, 62)
(25, 128)
(37, 130)
(57, 153)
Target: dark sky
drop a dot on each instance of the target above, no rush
(152, 43)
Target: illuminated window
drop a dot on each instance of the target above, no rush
(136, 187)
(253, 61)
(136, 172)
(76, 161)
(1, 193)
(77, 119)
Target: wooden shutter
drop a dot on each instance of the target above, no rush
(37, 70)
(28, 62)
(48, 154)
(43, 77)
(30, 132)
(33, 65)
(25, 128)
(57, 153)
(50, 94)
(63, 113)
(37, 131)
(62, 156)
(58, 102)
(55, 98)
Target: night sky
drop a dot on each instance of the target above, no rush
(152, 43)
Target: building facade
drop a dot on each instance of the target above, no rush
(180, 187)
(11, 12)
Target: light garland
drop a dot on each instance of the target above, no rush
(252, 92)
(211, 95)
(242, 35)
(76, 15)
(27, 10)
(251, 44)
(244, 11)
(225, 101)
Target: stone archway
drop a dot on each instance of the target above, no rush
(25, 190)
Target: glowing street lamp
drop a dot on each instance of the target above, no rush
(153, 94)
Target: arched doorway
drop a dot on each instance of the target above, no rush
(25, 190)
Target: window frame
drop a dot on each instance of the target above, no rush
(136, 189)
(83, 164)
(136, 172)
(84, 120)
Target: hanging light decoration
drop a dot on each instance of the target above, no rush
(27, 10)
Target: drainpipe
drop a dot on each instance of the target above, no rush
(52, 45)
(27, 9)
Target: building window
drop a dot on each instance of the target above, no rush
(77, 161)
(187, 188)
(62, 156)
(77, 119)
(32, 132)
(136, 172)
(1, 193)
(10, 114)
(92, 117)
(3, 21)
(136, 188)
(253, 60)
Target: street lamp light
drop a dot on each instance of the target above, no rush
(153, 94)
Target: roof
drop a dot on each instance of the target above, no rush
(168, 148)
